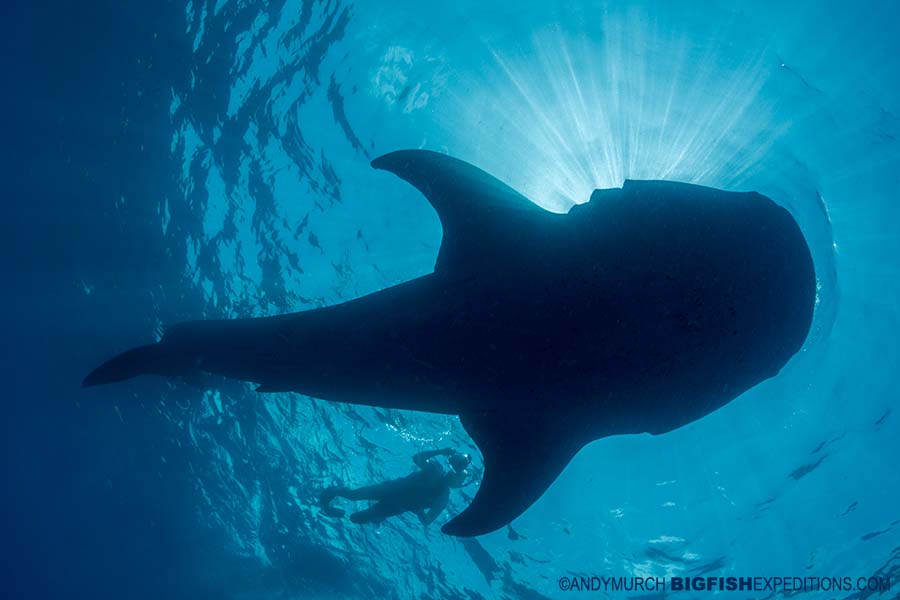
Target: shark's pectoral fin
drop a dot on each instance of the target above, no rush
(521, 460)
(484, 219)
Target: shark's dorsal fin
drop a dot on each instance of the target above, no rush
(484, 219)
(521, 460)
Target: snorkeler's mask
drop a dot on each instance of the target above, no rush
(459, 461)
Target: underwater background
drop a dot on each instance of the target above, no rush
(167, 161)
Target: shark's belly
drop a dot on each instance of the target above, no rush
(665, 330)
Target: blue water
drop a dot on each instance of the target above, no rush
(168, 161)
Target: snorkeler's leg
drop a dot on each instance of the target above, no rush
(378, 491)
(370, 492)
(376, 513)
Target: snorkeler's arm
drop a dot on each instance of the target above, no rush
(420, 458)
(437, 507)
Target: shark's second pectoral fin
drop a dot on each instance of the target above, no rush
(522, 457)
(484, 220)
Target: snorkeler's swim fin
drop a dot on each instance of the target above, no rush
(325, 501)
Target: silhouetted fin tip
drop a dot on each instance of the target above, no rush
(142, 360)
(381, 161)
(483, 219)
(91, 380)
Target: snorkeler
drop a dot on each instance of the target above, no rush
(424, 492)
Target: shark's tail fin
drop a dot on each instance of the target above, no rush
(143, 360)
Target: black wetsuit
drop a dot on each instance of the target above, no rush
(424, 492)
(420, 491)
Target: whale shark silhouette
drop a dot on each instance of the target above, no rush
(642, 310)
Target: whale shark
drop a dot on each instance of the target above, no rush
(639, 311)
